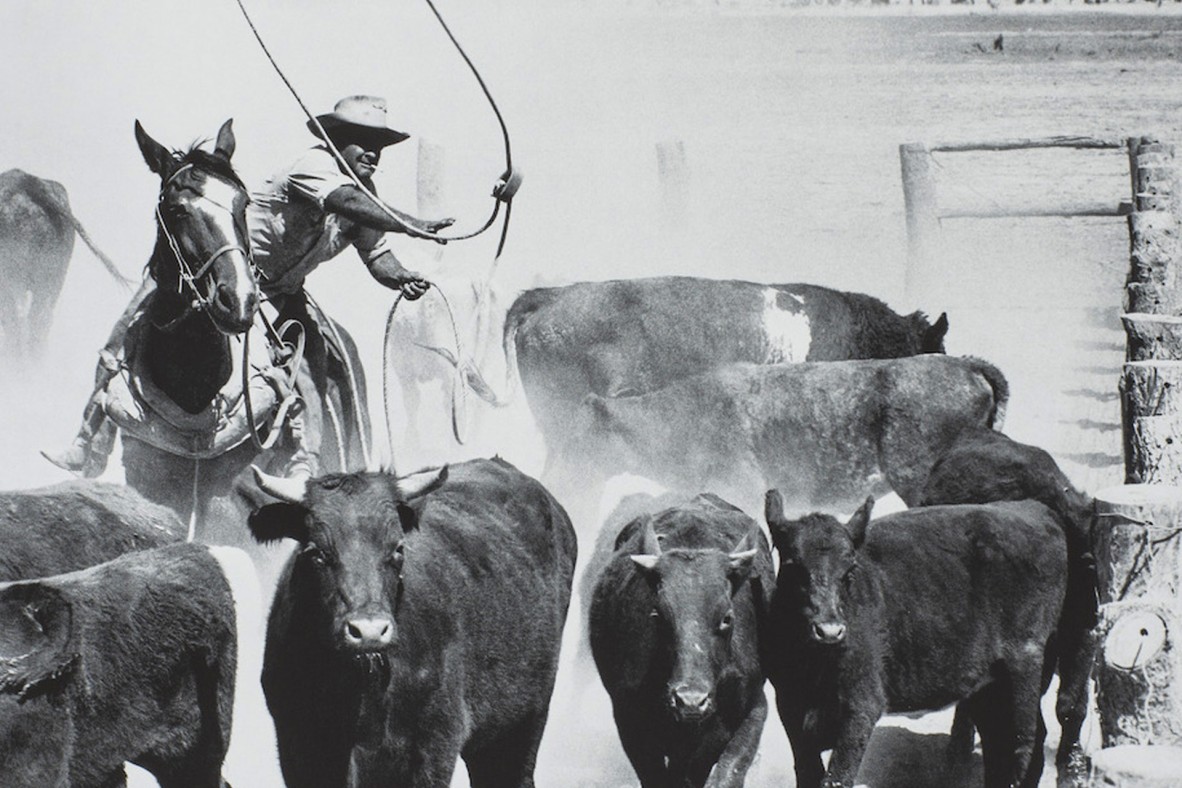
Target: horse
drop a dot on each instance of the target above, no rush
(192, 421)
(37, 229)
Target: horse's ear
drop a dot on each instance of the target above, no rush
(225, 143)
(160, 160)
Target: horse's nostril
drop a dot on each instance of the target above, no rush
(224, 298)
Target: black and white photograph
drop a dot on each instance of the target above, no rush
(591, 394)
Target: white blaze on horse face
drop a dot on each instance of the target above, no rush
(788, 334)
(223, 195)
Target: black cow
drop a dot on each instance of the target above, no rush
(985, 466)
(930, 607)
(37, 231)
(76, 524)
(411, 628)
(130, 660)
(833, 432)
(633, 336)
(674, 631)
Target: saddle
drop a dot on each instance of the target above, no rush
(139, 407)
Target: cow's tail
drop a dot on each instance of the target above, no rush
(58, 206)
(1001, 389)
(109, 264)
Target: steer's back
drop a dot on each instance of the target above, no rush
(990, 580)
(494, 556)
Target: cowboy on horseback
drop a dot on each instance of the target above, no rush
(304, 216)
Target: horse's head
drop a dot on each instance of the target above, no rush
(203, 256)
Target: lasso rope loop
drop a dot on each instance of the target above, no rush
(459, 390)
(502, 192)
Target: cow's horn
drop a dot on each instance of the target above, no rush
(422, 482)
(290, 490)
(650, 542)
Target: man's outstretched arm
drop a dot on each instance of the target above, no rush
(351, 203)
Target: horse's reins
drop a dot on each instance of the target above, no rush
(186, 275)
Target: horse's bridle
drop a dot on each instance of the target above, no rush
(187, 276)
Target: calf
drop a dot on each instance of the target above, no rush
(76, 524)
(418, 621)
(931, 607)
(131, 660)
(674, 633)
(984, 466)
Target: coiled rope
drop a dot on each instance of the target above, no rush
(504, 191)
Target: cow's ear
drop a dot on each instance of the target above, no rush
(773, 514)
(857, 524)
(408, 517)
(277, 521)
(38, 649)
(933, 337)
(160, 160)
(225, 141)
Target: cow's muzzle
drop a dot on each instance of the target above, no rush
(368, 633)
(690, 704)
(828, 632)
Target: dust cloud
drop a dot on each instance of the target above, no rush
(789, 121)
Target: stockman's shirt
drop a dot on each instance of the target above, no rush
(291, 233)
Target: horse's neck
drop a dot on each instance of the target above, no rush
(188, 359)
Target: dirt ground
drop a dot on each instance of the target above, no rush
(790, 120)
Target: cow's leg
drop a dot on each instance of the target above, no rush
(638, 736)
(1028, 683)
(508, 761)
(806, 747)
(853, 734)
(990, 710)
(960, 739)
(736, 759)
(1077, 648)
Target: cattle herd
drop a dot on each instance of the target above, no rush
(418, 620)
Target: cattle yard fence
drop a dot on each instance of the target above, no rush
(1138, 525)
(926, 212)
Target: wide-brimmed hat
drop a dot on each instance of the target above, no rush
(365, 114)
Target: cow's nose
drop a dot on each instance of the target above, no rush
(690, 703)
(367, 634)
(829, 632)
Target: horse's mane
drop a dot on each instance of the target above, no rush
(213, 162)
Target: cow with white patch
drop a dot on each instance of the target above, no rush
(130, 660)
(633, 336)
(832, 432)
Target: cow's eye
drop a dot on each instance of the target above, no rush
(728, 621)
(396, 557)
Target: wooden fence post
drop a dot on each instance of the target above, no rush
(1139, 564)
(674, 175)
(1138, 527)
(430, 200)
(923, 223)
(1152, 284)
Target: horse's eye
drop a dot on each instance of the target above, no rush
(315, 554)
(728, 621)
